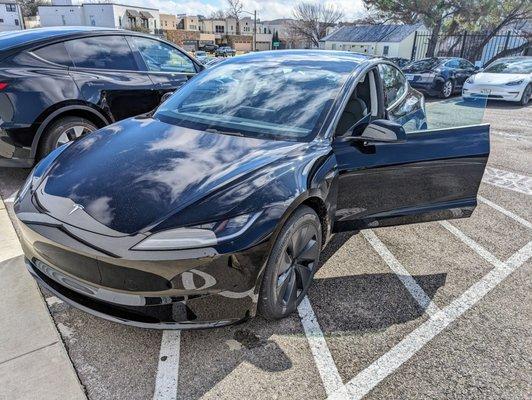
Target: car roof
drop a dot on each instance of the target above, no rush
(11, 39)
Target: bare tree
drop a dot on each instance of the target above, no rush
(311, 20)
(235, 8)
(219, 14)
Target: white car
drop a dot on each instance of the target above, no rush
(508, 79)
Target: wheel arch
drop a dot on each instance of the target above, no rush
(77, 110)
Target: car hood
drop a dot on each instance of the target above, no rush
(486, 78)
(131, 175)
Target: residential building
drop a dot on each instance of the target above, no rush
(10, 16)
(167, 21)
(109, 15)
(189, 23)
(383, 40)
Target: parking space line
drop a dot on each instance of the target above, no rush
(325, 364)
(508, 180)
(510, 214)
(404, 276)
(11, 199)
(370, 377)
(168, 367)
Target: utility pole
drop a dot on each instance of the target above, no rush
(255, 30)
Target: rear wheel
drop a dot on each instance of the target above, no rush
(447, 89)
(64, 130)
(527, 93)
(291, 265)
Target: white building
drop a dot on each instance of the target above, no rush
(108, 15)
(10, 16)
(382, 40)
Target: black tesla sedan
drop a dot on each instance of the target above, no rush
(59, 83)
(218, 204)
(439, 76)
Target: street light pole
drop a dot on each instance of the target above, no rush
(255, 30)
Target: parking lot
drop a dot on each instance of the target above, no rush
(433, 310)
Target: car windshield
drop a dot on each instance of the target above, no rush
(270, 97)
(520, 66)
(424, 65)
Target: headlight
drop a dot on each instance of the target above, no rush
(514, 83)
(471, 79)
(205, 235)
(40, 170)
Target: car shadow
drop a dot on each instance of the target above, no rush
(355, 304)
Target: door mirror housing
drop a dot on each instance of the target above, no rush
(383, 131)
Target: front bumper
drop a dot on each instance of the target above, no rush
(164, 291)
(505, 93)
(12, 155)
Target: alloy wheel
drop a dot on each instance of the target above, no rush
(72, 133)
(447, 89)
(296, 264)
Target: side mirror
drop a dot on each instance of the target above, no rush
(382, 130)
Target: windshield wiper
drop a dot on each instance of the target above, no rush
(214, 130)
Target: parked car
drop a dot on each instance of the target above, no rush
(399, 61)
(219, 203)
(213, 61)
(57, 84)
(201, 56)
(508, 79)
(209, 47)
(224, 51)
(439, 76)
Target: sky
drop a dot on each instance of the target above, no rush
(266, 9)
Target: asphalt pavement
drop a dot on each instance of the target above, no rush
(433, 310)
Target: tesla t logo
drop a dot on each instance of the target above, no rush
(76, 208)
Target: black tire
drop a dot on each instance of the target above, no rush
(526, 95)
(285, 271)
(66, 127)
(445, 93)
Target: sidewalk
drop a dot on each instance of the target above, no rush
(34, 363)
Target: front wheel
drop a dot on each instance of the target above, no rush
(292, 264)
(64, 130)
(527, 93)
(447, 89)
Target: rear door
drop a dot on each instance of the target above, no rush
(168, 67)
(434, 174)
(109, 76)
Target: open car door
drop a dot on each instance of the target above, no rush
(427, 175)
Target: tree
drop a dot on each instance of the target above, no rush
(234, 11)
(311, 21)
(220, 14)
(30, 7)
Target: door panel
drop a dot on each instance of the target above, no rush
(433, 175)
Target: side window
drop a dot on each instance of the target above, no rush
(55, 53)
(394, 83)
(161, 57)
(464, 64)
(102, 52)
(453, 64)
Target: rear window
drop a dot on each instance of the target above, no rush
(55, 53)
(102, 52)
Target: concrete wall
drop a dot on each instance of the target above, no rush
(61, 15)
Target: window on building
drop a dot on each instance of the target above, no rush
(161, 57)
(92, 20)
(11, 7)
(219, 29)
(385, 50)
(16, 22)
(56, 53)
(1, 20)
(165, 23)
(101, 52)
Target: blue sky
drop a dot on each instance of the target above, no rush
(267, 9)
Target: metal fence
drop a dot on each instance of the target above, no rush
(477, 48)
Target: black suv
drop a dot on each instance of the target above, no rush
(57, 84)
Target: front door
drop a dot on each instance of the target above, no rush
(168, 67)
(108, 76)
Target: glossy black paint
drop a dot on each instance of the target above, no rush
(40, 91)
(145, 175)
(455, 69)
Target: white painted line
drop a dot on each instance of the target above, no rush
(52, 300)
(320, 351)
(11, 198)
(513, 136)
(508, 180)
(410, 284)
(370, 377)
(168, 367)
(510, 214)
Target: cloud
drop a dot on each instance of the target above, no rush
(266, 9)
